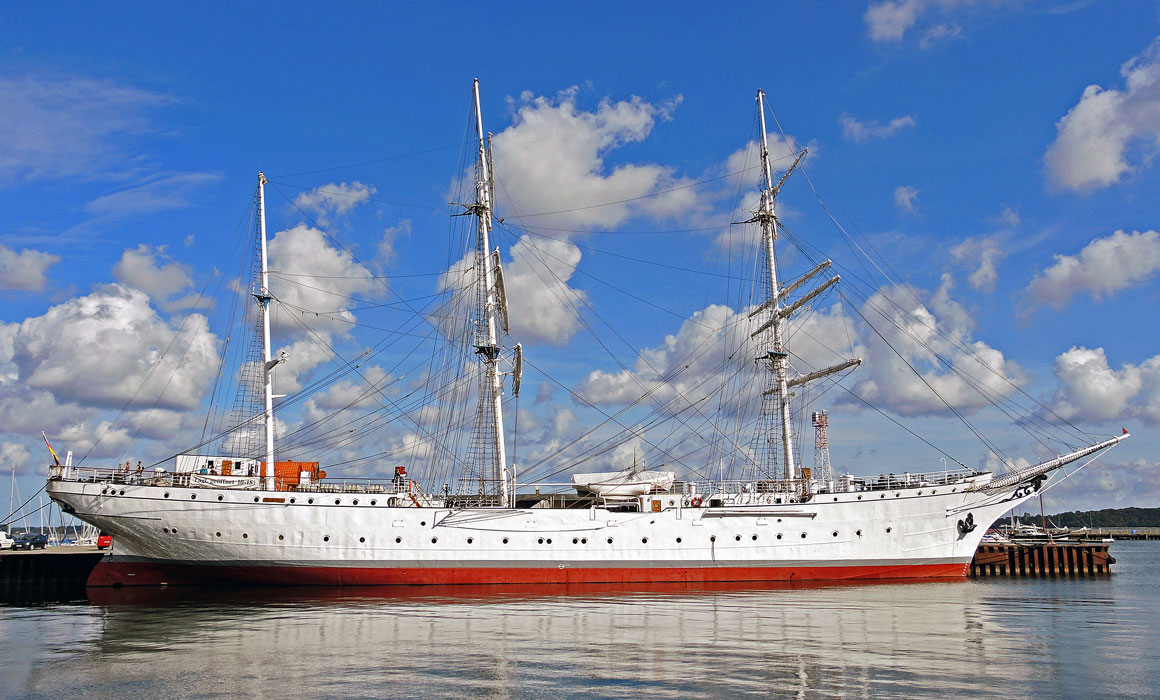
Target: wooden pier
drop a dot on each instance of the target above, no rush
(58, 573)
(1059, 558)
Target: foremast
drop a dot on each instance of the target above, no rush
(776, 354)
(487, 298)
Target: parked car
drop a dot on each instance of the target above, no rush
(104, 541)
(31, 541)
(5, 541)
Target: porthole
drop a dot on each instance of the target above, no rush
(122, 492)
(104, 491)
(362, 539)
(803, 535)
(326, 538)
(779, 520)
(897, 494)
(310, 501)
(165, 530)
(835, 498)
(423, 523)
(191, 496)
(354, 502)
(219, 497)
(174, 531)
(835, 533)
(954, 489)
(575, 540)
(293, 500)
(540, 541)
(583, 540)
(245, 536)
(255, 499)
(644, 540)
(933, 491)
(755, 538)
(549, 540)
(167, 494)
(470, 540)
(858, 533)
(859, 498)
(737, 537)
(882, 495)
(281, 537)
(374, 502)
(678, 540)
(399, 540)
(920, 493)
(609, 540)
(779, 535)
(434, 540)
(713, 538)
(218, 534)
(338, 501)
(889, 529)
(505, 540)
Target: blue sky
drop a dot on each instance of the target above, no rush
(1000, 156)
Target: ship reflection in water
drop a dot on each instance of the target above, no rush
(1010, 638)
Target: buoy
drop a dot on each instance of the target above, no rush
(696, 502)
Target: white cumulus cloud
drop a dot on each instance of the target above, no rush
(553, 158)
(1104, 266)
(337, 198)
(25, 270)
(985, 253)
(110, 346)
(150, 270)
(14, 455)
(1094, 142)
(310, 276)
(541, 304)
(1090, 390)
(926, 336)
(890, 20)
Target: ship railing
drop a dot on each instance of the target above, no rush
(154, 477)
(844, 484)
(885, 482)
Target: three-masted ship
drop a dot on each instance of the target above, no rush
(252, 519)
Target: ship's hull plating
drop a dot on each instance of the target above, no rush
(196, 536)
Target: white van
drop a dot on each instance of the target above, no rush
(5, 540)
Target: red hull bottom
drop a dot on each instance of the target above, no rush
(112, 573)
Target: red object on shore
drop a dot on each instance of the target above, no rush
(104, 541)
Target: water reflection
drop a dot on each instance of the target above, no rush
(957, 638)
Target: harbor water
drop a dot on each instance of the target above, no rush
(1004, 637)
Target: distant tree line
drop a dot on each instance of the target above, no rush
(1108, 517)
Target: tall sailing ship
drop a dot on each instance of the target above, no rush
(243, 516)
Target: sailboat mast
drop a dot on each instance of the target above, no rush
(263, 297)
(489, 352)
(779, 354)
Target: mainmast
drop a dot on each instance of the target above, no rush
(778, 355)
(262, 295)
(487, 345)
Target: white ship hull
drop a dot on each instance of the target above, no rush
(175, 535)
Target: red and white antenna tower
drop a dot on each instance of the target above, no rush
(821, 421)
